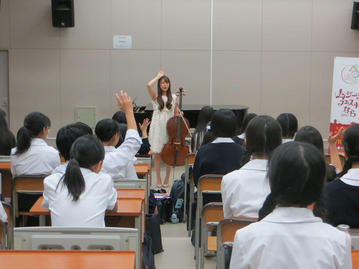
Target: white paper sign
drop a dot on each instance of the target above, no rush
(122, 42)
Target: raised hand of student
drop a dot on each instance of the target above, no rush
(332, 138)
(124, 103)
(146, 122)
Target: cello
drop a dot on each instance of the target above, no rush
(175, 151)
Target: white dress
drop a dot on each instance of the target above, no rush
(158, 133)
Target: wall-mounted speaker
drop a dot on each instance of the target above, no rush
(63, 14)
(355, 16)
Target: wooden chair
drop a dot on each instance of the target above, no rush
(212, 214)
(7, 228)
(341, 157)
(207, 184)
(33, 184)
(226, 231)
(188, 180)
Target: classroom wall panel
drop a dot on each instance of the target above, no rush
(4, 25)
(272, 55)
(331, 26)
(237, 79)
(35, 85)
(287, 25)
(92, 26)
(85, 82)
(140, 19)
(190, 70)
(31, 25)
(237, 25)
(286, 81)
(131, 70)
(185, 24)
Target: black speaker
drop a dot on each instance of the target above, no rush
(355, 16)
(63, 14)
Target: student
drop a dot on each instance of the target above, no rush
(312, 136)
(290, 236)
(289, 124)
(120, 117)
(64, 139)
(7, 138)
(246, 120)
(164, 107)
(118, 163)
(244, 190)
(33, 156)
(342, 194)
(204, 117)
(221, 155)
(81, 196)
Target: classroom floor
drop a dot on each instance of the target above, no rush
(178, 250)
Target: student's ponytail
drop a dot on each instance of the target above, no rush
(34, 123)
(74, 180)
(86, 152)
(23, 138)
(347, 165)
(268, 206)
(351, 147)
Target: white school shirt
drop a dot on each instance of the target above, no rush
(244, 190)
(3, 215)
(117, 161)
(292, 238)
(39, 159)
(61, 169)
(89, 209)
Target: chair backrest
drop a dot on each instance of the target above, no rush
(210, 182)
(227, 228)
(32, 184)
(212, 212)
(76, 238)
(7, 228)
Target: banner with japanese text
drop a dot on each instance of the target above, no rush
(345, 94)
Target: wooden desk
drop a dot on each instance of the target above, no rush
(142, 169)
(131, 194)
(126, 207)
(34, 259)
(6, 179)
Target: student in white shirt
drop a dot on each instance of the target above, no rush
(244, 190)
(81, 196)
(118, 162)
(33, 156)
(290, 236)
(64, 139)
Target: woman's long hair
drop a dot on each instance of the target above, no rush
(296, 174)
(85, 152)
(34, 123)
(168, 93)
(204, 117)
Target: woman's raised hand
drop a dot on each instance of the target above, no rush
(160, 74)
(332, 139)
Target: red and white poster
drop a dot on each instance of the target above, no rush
(345, 95)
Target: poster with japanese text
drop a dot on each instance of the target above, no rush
(345, 94)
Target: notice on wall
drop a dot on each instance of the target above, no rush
(345, 95)
(122, 42)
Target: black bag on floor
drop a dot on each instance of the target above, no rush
(153, 229)
(148, 260)
(177, 196)
(163, 204)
